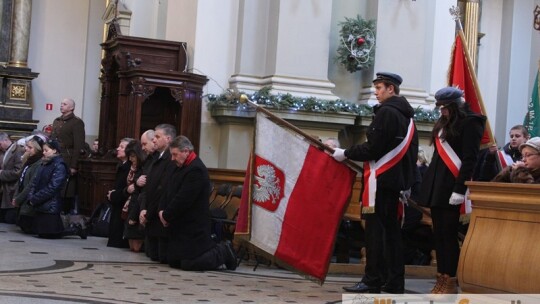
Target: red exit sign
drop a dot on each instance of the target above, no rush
(48, 106)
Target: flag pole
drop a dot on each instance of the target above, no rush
(244, 99)
(456, 16)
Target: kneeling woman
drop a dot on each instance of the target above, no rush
(45, 192)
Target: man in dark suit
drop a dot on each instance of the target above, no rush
(157, 175)
(184, 211)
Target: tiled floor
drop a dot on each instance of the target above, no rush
(71, 270)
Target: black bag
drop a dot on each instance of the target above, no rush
(100, 220)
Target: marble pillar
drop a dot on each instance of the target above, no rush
(22, 14)
(284, 44)
(5, 30)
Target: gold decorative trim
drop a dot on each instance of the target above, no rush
(18, 64)
(18, 91)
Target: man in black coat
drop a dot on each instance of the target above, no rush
(184, 211)
(389, 156)
(157, 177)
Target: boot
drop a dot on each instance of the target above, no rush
(439, 284)
(449, 286)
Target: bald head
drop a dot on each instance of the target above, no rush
(147, 142)
(67, 106)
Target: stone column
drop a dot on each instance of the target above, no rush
(284, 44)
(471, 15)
(20, 35)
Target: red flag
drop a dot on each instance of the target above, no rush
(299, 195)
(461, 74)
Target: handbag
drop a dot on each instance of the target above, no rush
(100, 219)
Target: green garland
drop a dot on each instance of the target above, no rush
(280, 101)
(356, 50)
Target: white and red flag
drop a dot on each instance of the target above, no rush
(298, 196)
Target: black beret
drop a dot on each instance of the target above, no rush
(53, 144)
(391, 77)
(448, 95)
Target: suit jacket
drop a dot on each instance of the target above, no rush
(156, 182)
(10, 172)
(185, 208)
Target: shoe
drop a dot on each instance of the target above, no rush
(229, 255)
(393, 289)
(360, 287)
(81, 232)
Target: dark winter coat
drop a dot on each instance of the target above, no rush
(29, 171)
(156, 183)
(387, 131)
(185, 208)
(9, 175)
(487, 166)
(439, 182)
(69, 132)
(118, 198)
(45, 192)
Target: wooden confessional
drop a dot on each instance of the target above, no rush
(144, 83)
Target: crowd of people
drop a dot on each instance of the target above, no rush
(160, 199)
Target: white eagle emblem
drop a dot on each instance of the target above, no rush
(267, 186)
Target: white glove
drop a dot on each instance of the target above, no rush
(456, 199)
(339, 154)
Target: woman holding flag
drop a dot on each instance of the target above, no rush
(456, 137)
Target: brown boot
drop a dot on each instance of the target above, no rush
(449, 286)
(438, 285)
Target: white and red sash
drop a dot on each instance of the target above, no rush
(505, 158)
(453, 163)
(372, 169)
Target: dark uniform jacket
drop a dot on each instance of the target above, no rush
(386, 131)
(439, 182)
(185, 208)
(156, 181)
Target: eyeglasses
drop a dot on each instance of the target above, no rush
(529, 155)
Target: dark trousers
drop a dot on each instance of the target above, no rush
(210, 260)
(156, 248)
(384, 248)
(445, 230)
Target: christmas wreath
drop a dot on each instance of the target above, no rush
(357, 48)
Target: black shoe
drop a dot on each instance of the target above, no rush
(229, 255)
(393, 289)
(81, 232)
(360, 287)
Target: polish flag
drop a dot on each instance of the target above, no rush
(299, 194)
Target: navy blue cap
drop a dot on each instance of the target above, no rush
(448, 95)
(390, 77)
(53, 144)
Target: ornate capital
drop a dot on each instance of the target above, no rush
(138, 87)
(178, 94)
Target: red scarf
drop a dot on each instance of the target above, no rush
(190, 158)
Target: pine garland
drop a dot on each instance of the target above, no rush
(280, 101)
(356, 50)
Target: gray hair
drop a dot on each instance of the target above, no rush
(126, 139)
(181, 142)
(4, 136)
(168, 129)
(149, 134)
